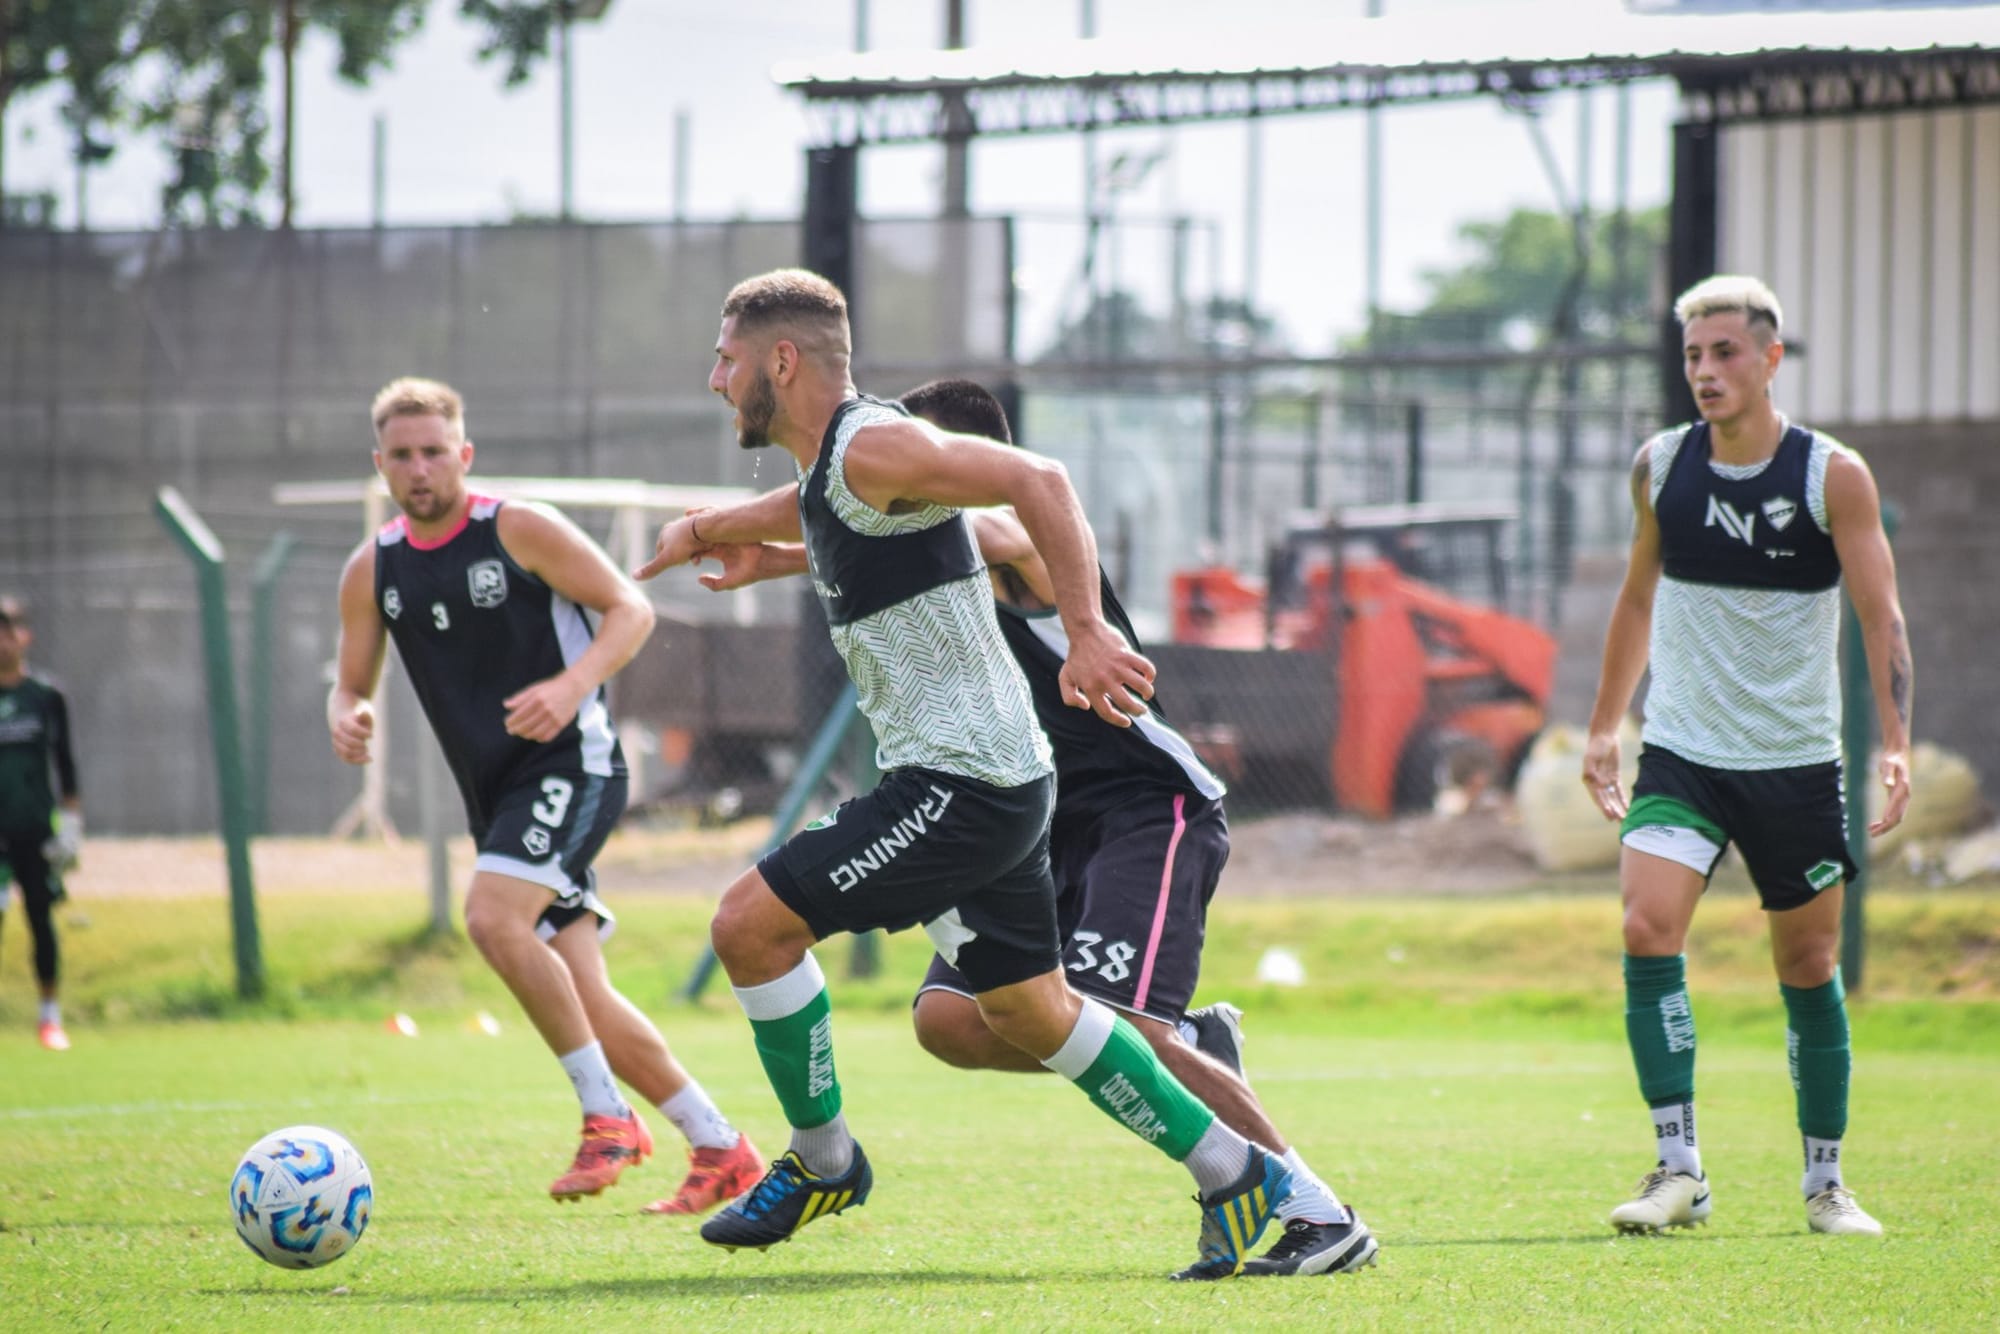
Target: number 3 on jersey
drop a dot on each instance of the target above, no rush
(554, 804)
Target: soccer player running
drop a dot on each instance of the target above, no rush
(1747, 524)
(41, 822)
(956, 836)
(486, 602)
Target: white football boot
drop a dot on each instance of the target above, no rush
(1664, 1199)
(1834, 1210)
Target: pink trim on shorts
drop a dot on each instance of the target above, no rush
(1160, 908)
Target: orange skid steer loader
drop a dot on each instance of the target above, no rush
(1373, 664)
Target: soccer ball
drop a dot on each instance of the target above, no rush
(301, 1197)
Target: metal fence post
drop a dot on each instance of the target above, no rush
(1857, 738)
(819, 759)
(263, 666)
(196, 538)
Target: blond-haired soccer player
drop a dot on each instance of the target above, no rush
(486, 600)
(1747, 524)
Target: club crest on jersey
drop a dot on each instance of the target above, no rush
(392, 602)
(488, 581)
(536, 840)
(1781, 511)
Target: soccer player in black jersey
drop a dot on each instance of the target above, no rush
(956, 836)
(41, 823)
(486, 602)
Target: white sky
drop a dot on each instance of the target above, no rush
(461, 149)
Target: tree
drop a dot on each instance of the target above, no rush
(194, 73)
(74, 40)
(1508, 289)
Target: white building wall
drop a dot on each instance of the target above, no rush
(1881, 236)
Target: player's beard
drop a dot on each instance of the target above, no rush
(432, 505)
(756, 412)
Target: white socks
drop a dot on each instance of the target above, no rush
(1673, 1131)
(595, 1088)
(1218, 1157)
(1311, 1198)
(1822, 1165)
(700, 1119)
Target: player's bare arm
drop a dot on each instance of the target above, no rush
(350, 710)
(771, 517)
(1019, 576)
(554, 550)
(1868, 568)
(910, 461)
(746, 563)
(1627, 640)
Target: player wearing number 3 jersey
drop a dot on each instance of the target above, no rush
(486, 602)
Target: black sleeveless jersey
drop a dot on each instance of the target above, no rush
(1098, 767)
(473, 628)
(857, 575)
(34, 741)
(1757, 532)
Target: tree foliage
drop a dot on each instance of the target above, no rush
(1518, 268)
(196, 75)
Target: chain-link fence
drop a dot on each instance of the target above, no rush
(226, 363)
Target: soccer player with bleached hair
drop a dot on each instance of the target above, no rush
(1746, 526)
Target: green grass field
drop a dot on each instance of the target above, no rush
(1455, 1068)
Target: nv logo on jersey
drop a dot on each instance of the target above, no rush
(1737, 525)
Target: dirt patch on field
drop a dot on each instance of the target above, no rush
(1478, 852)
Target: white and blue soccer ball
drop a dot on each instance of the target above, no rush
(301, 1197)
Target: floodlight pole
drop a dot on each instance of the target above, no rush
(567, 13)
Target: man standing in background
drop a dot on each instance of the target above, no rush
(41, 823)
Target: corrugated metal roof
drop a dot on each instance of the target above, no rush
(1461, 41)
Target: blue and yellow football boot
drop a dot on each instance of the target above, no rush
(1234, 1217)
(786, 1200)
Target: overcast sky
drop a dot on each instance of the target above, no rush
(461, 149)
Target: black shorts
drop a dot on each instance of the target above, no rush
(1790, 825)
(548, 829)
(21, 860)
(968, 860)
(1132, 893)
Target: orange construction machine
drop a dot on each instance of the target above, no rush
(1374, 663)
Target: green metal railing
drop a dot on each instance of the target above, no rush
(232, 791)
(1857, 741)
(842, 721)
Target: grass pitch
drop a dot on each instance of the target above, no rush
(1456, 1071)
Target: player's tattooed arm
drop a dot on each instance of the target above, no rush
(1868, 568)
(1902, 672)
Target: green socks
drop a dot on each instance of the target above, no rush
(1660, 1026)
(792, 1024)
(1109, 1061)
(1816, 1044)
